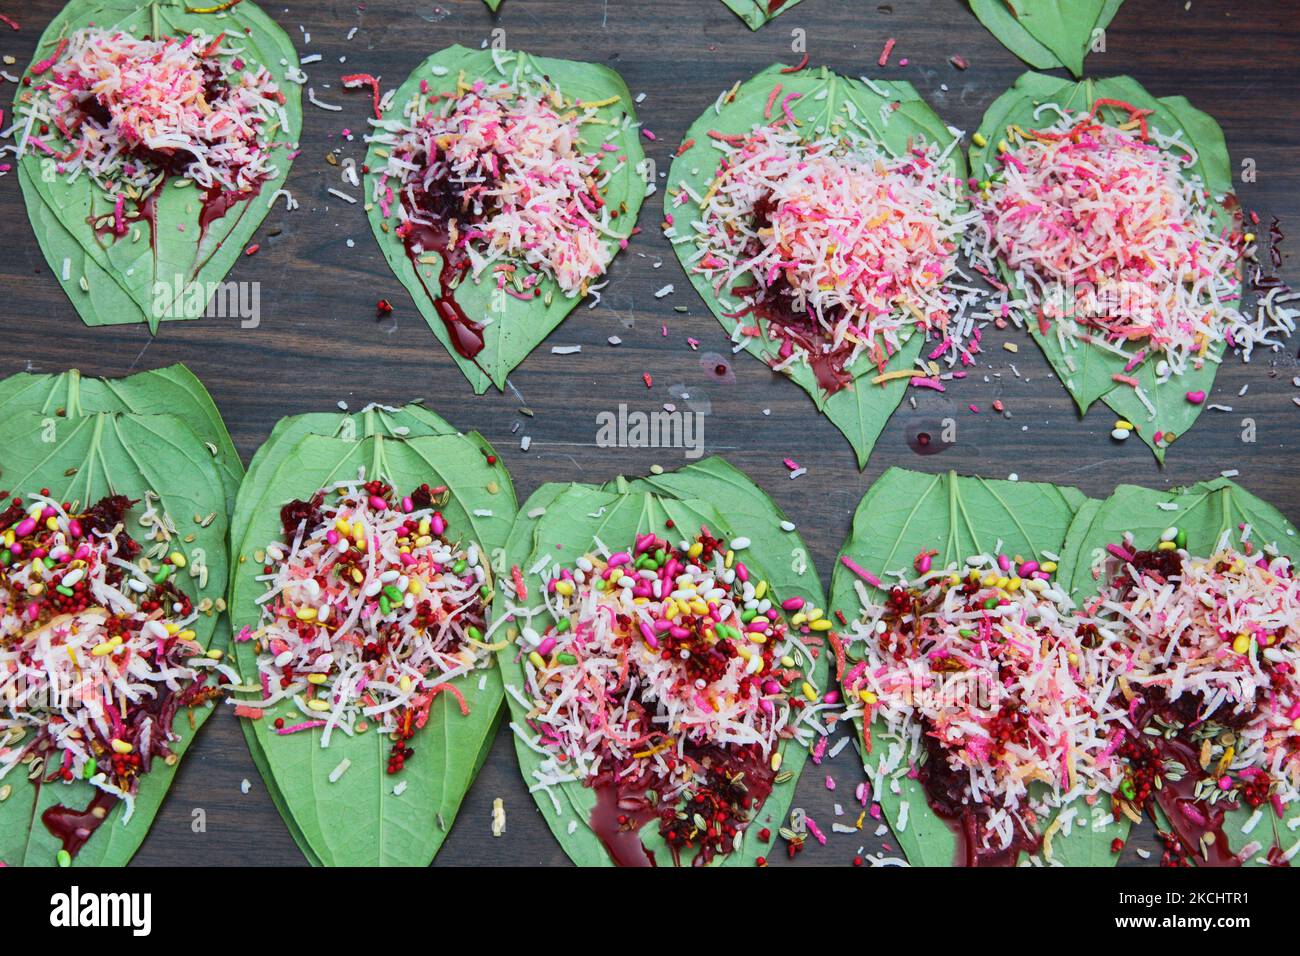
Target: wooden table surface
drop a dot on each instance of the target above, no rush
(321, 274)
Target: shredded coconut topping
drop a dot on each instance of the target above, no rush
(129, 109)
(96, 655)
(851, 243)
(1115, 239)
(1214, 643)
(372, 606)
(988, 674)
(667, 670)
(501, 171)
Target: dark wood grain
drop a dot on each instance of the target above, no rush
(319, 341)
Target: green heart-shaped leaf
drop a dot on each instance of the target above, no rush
(755, 13)
(367, 817)
(512, 326)
(168, 264)
(560, 523)
(1047, 33)
(1203, 512)
(84, 459)
(903, 514)
(891, 114)
(173, 390)
(1084, 367)
(411, 421)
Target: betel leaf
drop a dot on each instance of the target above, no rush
(493, 5)
(755, 13)
(513, 327)
(82, 460)
(827, 103)
(1047, 33)
(169, 270)
(360, 819)
(410, 421)
(906, 512)
(1204, 512)
(1084, 368)
(560, 523)
(173, 390)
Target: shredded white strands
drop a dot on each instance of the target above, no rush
(502, 172)
(126, 108)
(1116, 242)
(992, 679)
(1223, 631)
(371, 607)
(849, 240)
(668, 670)
(89, 681)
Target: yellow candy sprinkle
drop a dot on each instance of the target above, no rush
(695, 550)
(317, 679)
(107, 647)
(867, 696)
(787, 661)
(415, 586)
(320, 706)
(979, 139)
(537, 660)
(1241, 644)
(1166, 546)
(178, 559)
(564, 587)
(809, 691)
(306, 614)
(1048, 566)
(121, 746)
(823, 624)
(776, 761)
(405, 683)
(760, 590)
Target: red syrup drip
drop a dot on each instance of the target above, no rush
(421, 239)
(74, 827)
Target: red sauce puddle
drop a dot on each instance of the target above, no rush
(74, 827)
(946, 793)
(623, 805)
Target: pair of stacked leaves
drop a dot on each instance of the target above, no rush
(360, 820)
(828, 104)
(906, 512)
(1090, 379)
(562, 522)
(154, 433)
(513, 327)
(1204, 512)
(136, 278)
(1047, 34)
(755, 13)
